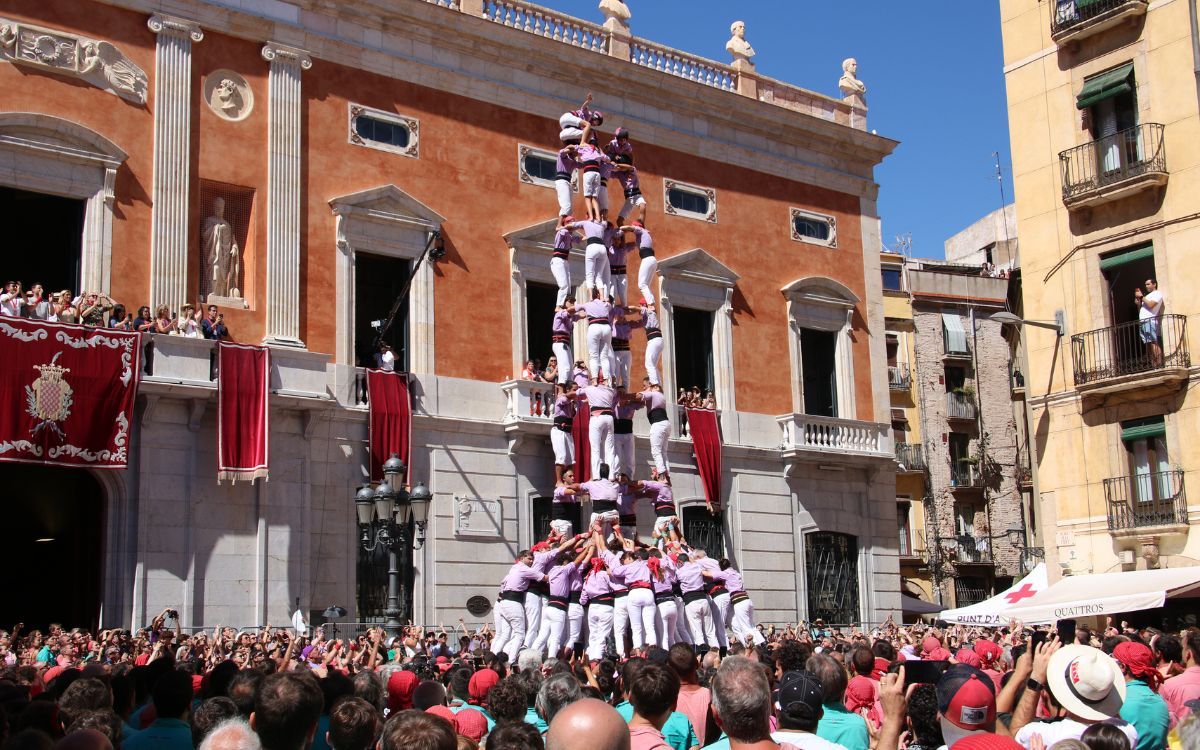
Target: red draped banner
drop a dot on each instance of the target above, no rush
(582, 440)
(66, 393)
(706, 442)
(391, 418)
(243, 409)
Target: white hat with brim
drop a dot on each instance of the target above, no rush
(1086, 682)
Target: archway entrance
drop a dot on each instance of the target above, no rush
(53, 544)
(46, 239)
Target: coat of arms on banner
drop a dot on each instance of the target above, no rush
(49, 398)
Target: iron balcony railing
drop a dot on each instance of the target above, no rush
(960, 406)
(1023, 472)
(1141, 500)
(911, 457)
(973, 549)
(1067, 14)
(965, 474)
(899, 377)
(1112, 159)
(966, 594)
(1144, 346)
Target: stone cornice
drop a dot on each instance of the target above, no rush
(474, 57)
(282, 53)
(160, 23)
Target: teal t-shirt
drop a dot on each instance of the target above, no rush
(843, 727)
(677, 732)
(1147, 712)
(534, 718)
(162, 734)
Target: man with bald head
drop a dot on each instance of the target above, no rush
(588, 724)
(84, 739)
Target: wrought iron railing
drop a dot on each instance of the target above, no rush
(1067, 14)
(899, 377)
(910, 456)
(1112, 159)
(1023, 472)
(965, 474)
(1141, 500)
(973, 549)
(1126, 349)
(966, 594)
(960, 406)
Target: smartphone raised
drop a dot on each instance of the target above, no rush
(1035, 640)
(1066, 632)
(923, 672)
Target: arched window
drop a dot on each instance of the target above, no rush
(831, 577)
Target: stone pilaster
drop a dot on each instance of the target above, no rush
(172, 158)
(283, 193)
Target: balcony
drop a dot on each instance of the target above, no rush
(971, 550)
(910, 457)
(1023, 472)
(1116, 358)
(1153, 503)
(180, 364)
(960, 406)
(912, 547)
(806, 435)
(1114, 167)
(899, 377)
(965, 475)
(1072, 20)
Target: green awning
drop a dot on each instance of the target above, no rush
(1101, 87)
(1128, 255)
(1142, 429)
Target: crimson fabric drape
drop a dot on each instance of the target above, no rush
(583, 450)
(706, 443)
(243, 412)
(66, 393)
(391, 418)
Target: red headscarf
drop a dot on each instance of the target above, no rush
(654, 564)
(597, 565)
(481, 684)
(989, 652)
(442, 711)
(540, 547)
(400, 689)
(1139, 660)
(929, 645)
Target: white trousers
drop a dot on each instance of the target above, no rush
(646, 270)
(602, 196)
(563, 445)
(600, 438)
(510, 628)
(570, 120)
(659, 432)
(600, 625)
(743, 622)
(606, 519)
(620, 623)
(596, 272)
(624, 359)
(575, 617)
(562, 188)
(618, 286)
(562, 527)
(561, 270)
(600, 352)
(591, 185)
(632, 203)
(682, 633)
(666, 623)
(534, 605)
(624, 454)
(700, 623)
(552, 632)
(566, 358)
(642, 616)
(654, 349)
(721, 612)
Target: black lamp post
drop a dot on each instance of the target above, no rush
(393, 516)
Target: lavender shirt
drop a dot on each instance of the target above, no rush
(565, 164)
(615, 147)
(544, 560)
(653, 400)
(626, 502)
(645, 241)
(563, 323)
(628, 179)
(565, 239)
(649, 319)
(564, 407)
(603, 490)
(562, 495)
(617, 253)
(635, 571)
(560, 580)
(575, 576)
(592, 230)
(691, 577)
(660, 493)
(596, 584)
(622, 329)
(598, 308)
(667, 583)
(519, 577)
(731, 578)
(625, 409)
(580, 376)
(599, 396)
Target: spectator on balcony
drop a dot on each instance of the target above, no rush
(550, 374)
(188, 323)
(36, 306)
(92, 309)
(142, 321)
(1150, 311)
(10, 299)
(213, 326)
(163, 322)
(64, 310)
(120, 319)
(385, 358)
(529, 372)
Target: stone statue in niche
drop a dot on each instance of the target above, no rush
(737, 44)
(854, 91)
(221, 252)
(228, 95)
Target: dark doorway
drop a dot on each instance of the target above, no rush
(831, 574)
(378, 281)
(53, 532)
(44, 236)
(704, 530)
(543, 514)
(819, 351)
(693, 348)
(1122, 280)
(539, 315)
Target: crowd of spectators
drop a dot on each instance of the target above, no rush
(811, 687)
(100, 311)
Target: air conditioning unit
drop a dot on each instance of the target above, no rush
(1126, 557)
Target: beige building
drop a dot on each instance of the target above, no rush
(1102, 101)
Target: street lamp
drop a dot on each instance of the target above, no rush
(1058, 325)
(392, 516)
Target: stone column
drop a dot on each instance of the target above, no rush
(172, 158)
(283, 193)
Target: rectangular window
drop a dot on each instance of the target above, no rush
(378, 282)
(954, 335)
(1111, 101)
(970, 590)
(892, 279)
(692, 201)
(539, 312)
(814, 228)
(543, 508)
(892, 344)
(902, 521)
(693, 337)
(964, 519)
(537, 166)
(1126, 271)
(1149, 462)
(384, 131)
(704, 530)
(818, 352)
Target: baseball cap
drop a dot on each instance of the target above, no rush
(800, 695)
(1086, 682)
(988, 741)
(966, 702)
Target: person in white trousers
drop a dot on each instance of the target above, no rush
(696, 604)
(647, 262)
(597, 597)
(623, 440)
(601, 362)
(510, 609)
(545, 556)
(660, 429)
(640, 607)
(718, 596)
(562, 331)
(565, 238)
(553, 628)
(561, 437)
(662, 580)
(601, 436)
(742, 615)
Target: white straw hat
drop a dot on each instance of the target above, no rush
(1086, 682)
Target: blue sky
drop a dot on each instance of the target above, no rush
(933, 71)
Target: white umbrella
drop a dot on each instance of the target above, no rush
(1107, 594)
(994, 612)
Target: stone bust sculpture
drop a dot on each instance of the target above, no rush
(849, 83)
(737, 44)
(221, 252)
(228, 98)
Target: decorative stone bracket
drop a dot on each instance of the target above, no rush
(95, 61)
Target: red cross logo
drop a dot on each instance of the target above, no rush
(1024, 592)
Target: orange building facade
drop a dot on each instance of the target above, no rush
(339, 142)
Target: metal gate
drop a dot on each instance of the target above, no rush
(372, 582)
(543, 514)
(831, 574)
(704, 530)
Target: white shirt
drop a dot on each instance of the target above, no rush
(1068, 729)
(387, 361)
(806, 740)
(1154, 298)
(10, 304)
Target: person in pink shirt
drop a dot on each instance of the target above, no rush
(1180, 689)
(510, 608)
(653, 696)
(694, 701)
